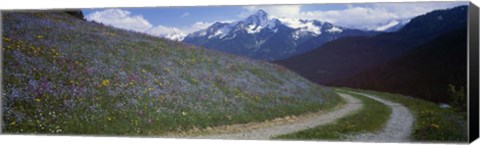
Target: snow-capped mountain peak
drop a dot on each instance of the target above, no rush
(259, 18)
(258, 21)
(303, 26)
(252, 24)
(264, 36)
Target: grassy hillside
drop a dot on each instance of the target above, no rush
(65, 75)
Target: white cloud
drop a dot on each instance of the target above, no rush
(357, 17)
(376, 14)
(120, 19)
(167, 32)
(177, 33)
(197, 26)
(124, 19)
(413, 9)
(184, 15)
(161, 30)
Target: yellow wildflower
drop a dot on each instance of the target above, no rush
(38, 100)
(105, 82)
(39, 36)
(6, 39)
(13, 123)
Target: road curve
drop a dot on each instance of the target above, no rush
(397, 129)
(264, 133)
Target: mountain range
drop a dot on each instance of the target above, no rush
(262, 36)
(430, 68)
(348, 61)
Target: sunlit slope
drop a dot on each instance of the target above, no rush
(65, 75)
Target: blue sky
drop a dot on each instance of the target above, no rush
(180, 16)
(165, 20)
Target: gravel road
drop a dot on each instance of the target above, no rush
(397, 129)
(263, 133)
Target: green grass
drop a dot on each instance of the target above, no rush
(371, 117)
(432, 123)
(62, 75)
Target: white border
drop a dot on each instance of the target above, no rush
(79, 140)
(74, 140)
(68, 4)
